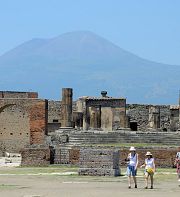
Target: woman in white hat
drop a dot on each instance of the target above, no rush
(149, 169)
(132, 159)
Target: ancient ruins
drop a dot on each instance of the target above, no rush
(56, 132)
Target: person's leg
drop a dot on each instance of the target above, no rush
(129, 181)
(178, 171)
(179, 179)
(134, 176)
(146, 180)
(129, 176)
(178, 176)
(151, 176)
(135, 181)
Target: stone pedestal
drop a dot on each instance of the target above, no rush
(99, 162)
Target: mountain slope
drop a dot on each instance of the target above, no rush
(89, 64)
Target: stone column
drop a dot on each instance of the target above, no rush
(67, 94)
(154, 117)
(123, 120)
(156, 120)
(122, 115)
(86, 118)
(95, 119)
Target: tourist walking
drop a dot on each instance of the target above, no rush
(177, 163)
(132, 161)
(149, 169)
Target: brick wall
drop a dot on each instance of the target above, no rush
(22, 121)
(74, 154)
(14, 94)
(38, 121)
(99, 162)
(164, 157)
(36, 155)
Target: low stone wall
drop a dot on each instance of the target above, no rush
(164, 156)
(99, 162)
(66, 155)
(74, 154)
(35, 156)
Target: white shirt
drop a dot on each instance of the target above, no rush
(149, 163)
(132, 159)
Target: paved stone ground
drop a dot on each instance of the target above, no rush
(75, 186)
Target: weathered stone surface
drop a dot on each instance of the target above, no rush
(99, 162)
(35, 155)
(140, 114)
(67, 94)
(22, 122)
(164, 157)
(15, 94)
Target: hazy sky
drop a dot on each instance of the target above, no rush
(148, 28)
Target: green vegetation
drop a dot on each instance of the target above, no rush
(129, 144)
(38, 170)
(59, 172)
(4, 186)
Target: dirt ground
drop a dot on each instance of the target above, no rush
(51, 185)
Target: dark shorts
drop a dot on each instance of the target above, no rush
(131, 171)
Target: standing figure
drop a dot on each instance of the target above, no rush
(149, 169)
(132, 160)
(177, 163)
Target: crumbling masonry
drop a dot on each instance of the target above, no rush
(32, 125)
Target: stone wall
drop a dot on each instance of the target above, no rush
(137, 113)
(22, 122)
(35, 155)
(61, 155)
(140, 114)
(52, 127)
(54, 111)
(164, 156)
(74, 154)
(174, 120)
(14, 94)
(55, 115)
(106, 102)
(99, 162)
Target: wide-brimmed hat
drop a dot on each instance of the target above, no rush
(148, 154)
(132, 148)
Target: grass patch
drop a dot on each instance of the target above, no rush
(4, 186)
(37, 170)
(138, 145)
(167, 174)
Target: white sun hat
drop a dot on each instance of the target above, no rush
(148, 153)
(132, 148)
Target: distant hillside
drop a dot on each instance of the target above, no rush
(88, 63)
